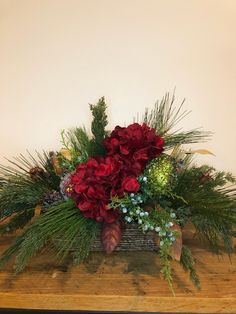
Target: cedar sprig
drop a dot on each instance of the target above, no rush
(188, 263)
(98, 126)
(166, 268)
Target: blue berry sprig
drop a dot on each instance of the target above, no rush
(161, 222)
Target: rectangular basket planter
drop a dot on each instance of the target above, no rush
(133, 239)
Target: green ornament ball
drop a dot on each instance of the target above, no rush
(160, 173)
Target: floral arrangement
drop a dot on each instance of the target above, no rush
(97, 185)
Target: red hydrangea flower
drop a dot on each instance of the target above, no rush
(135, 145)
(95, 182)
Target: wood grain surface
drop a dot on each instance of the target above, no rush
(120, 282)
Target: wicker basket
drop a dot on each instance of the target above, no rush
(132, 240)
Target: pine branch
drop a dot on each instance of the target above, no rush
(20, 192)
(11, 251)
(211, 206)
(20, 167)
(165, 116)
(188, 265)
(34, 236)
(78, 238)
(217, 232)
(77, 141)
(83, 141)
(61, 224)
(188, 137)
(51, 178)
(87, 237)
(16, 222)
(32, 241)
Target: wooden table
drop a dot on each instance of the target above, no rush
(120, 282)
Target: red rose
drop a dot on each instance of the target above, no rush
(130, 184)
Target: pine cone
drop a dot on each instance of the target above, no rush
(51, 198)
(111, 235)
(36, 173)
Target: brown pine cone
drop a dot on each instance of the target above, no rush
(36, 173)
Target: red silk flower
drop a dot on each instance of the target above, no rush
(135, 145)
(94, 182)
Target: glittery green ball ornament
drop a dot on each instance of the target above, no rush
(160, 174)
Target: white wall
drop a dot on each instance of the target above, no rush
(56, 56)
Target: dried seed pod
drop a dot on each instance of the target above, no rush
(111, 235)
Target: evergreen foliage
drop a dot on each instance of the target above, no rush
(77, 142)
(209, 205)
(18, 191)
(62, 225)
(98, 126)
(165, 116)
(188, 263)
(165, 259)
(17, 221)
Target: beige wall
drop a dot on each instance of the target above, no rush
(58, 55)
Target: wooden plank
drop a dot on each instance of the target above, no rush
(122, 281)
(119, 303)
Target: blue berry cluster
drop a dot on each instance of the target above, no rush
(135, 213)
(164, 231)
(142, 179)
